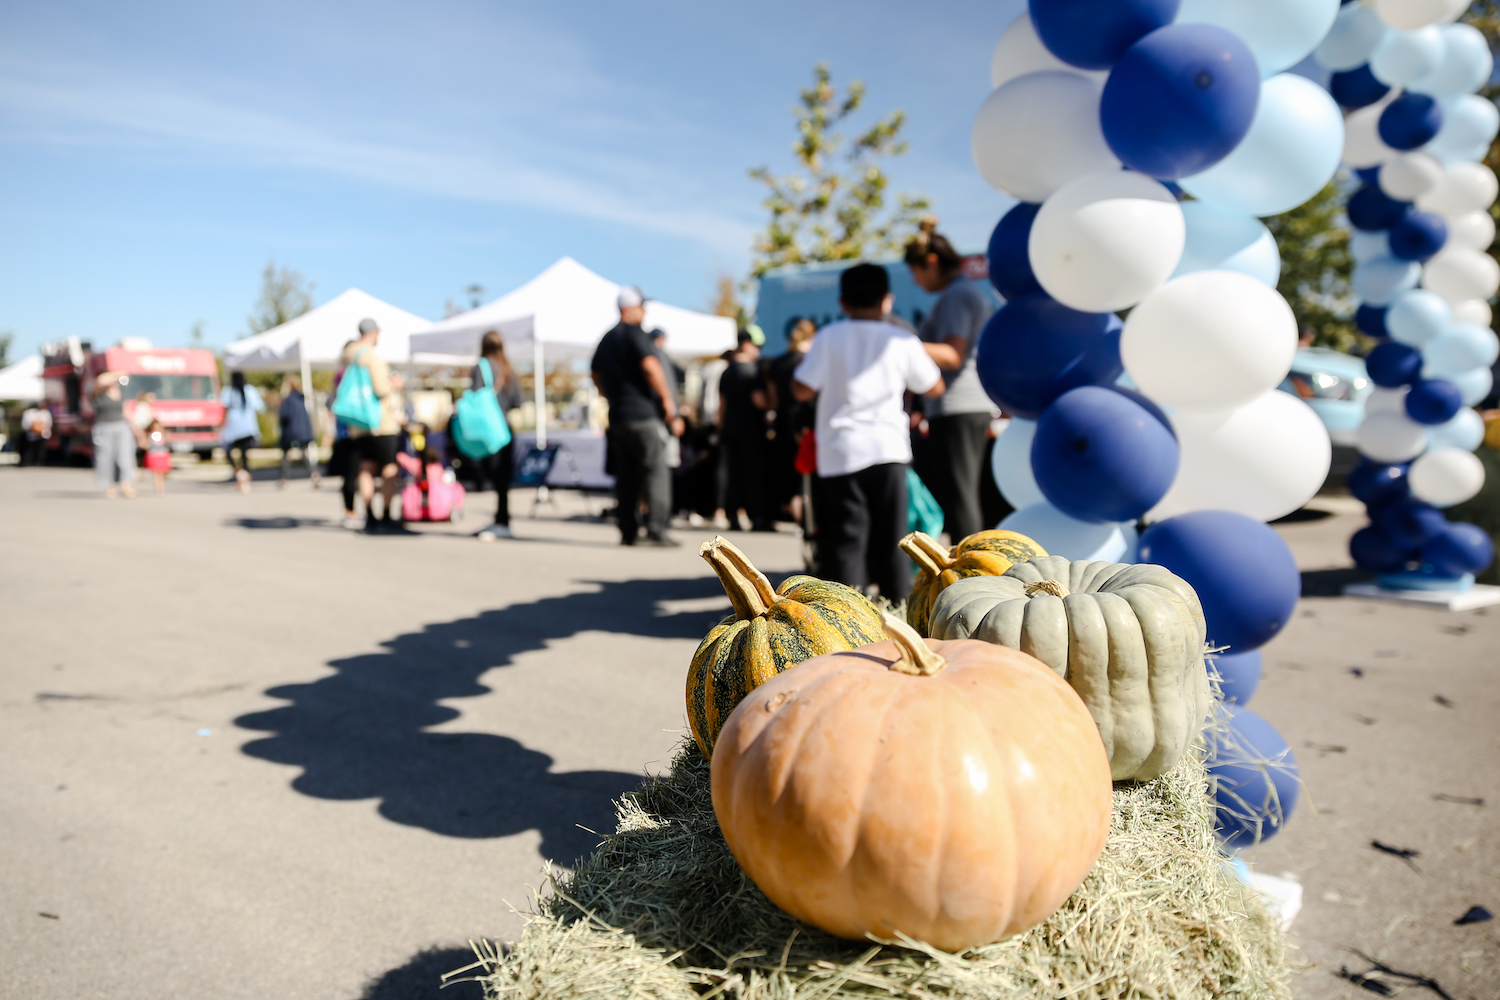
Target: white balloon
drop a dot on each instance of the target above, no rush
(1465, 66)
(1381, 280)
(1352, 39)
(1407, 176)
(1460, 348)
(1408, 15)
(1382, 400)
(1464, 188)
(1105, 241)
(1062, 535)
(1280, 33)
(1364, 245)
(1264, 459)
(1020, 51)
(1461, 273)
(1218, 240)
(1418, 316)
(1391, 437)
(1010, 464)
(1470, 124)
(1363, 146)
(1404, 56)
(1464, 431)
(1446, 476)
(1473, 230)
(1038, 132)
(1209, 342)
(1291, 151)
(1474, 385)
(1476, 311)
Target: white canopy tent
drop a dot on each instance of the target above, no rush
(562, 313)
(318, 337)
(22, 381)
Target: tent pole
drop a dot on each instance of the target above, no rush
(540, 391)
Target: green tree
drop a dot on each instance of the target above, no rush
(6, 339)
(1316, 268)
(835, 206)
(284, 295)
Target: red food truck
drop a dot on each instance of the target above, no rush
(185, 382)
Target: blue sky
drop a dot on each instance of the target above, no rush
(154, 156)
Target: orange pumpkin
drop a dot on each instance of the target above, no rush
(984, 553)
(955, 792)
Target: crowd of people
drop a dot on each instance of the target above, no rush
(824, 436)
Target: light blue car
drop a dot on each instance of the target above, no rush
(1335, 385)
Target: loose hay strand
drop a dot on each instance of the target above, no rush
(661, 911)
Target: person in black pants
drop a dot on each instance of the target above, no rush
(958, 423)
(742, 429)
(860, 370)
(642, 415)
(498, 468)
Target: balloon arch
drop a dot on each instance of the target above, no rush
(1144, 140)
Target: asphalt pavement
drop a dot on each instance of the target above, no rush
(249, 754)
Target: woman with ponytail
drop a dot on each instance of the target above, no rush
(959, 420)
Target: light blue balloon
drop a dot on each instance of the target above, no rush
(1010, 464)
(1473, 385)
(1291, 151)
(1417, 317)
(1460, 348)
(1470, 124)
(1464, 431)
(1227, 241)
(1356, 32)
(1364, 245)
(1465, 66)
(1404, 56)
(1064, 536)
(1380, 281)
(1280, 33)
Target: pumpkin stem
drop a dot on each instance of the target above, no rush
(934, 548)
(1046, 587)
(916, 657)
(921, 555)
(749, 591)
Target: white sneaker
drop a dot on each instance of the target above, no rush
(495, 531)
(352, 523)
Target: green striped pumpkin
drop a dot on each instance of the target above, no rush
(770, 630)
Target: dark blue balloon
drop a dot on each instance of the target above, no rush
(1245, 576)
(1458, 549)
(1372, 210)
(1357, 88)
(1409, 523)
(1368, 175)
(1035, 349)
(1373, 484)
(1239, 676)
(1418, 236)
(1254, 778)
(1146, 404)
(1394, 364)
(1009, 257)
(1371, 320)
(1373, 550)
(1092, 34)
(1433, 401)
(1099, 457)
(1180, 100)
(1410, 121)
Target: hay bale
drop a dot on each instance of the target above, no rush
(661, 911)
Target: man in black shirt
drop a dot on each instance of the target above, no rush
(642, 417)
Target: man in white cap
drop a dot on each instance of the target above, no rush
(375, 449)
(642, 418)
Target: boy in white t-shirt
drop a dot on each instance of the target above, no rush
(860, 370)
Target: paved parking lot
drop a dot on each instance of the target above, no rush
(251, 755)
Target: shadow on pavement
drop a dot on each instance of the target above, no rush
(421, 978)
(361, 733)
(280, 523)
(1330, 582)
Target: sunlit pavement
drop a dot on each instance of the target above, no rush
(250, 754)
